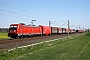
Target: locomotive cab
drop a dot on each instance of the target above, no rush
(13, 31)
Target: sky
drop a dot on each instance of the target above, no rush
(43, 11)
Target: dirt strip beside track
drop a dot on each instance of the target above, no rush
(8, 44)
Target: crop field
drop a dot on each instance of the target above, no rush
(3, 35)
(77, 48)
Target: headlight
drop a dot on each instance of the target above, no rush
(14, 30)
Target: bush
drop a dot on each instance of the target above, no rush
(88, 34)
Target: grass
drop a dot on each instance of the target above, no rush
(76, 49)
(66, 49)
(3, 35)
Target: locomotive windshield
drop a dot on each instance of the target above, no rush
(13, 27)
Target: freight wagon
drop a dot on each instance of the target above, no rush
(54, 30)
(79, 31)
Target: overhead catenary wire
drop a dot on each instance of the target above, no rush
(15, 8)
(23, 11)
(16, 13)
(22, 14)
(13, 16)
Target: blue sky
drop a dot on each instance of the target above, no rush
(57, 11)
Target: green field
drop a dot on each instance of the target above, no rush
(4, 35)
(77, 48)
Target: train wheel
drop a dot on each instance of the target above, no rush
(20, 36)
(13, 37)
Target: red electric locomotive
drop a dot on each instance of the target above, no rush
(20, 30)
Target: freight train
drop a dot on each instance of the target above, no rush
(22, 30)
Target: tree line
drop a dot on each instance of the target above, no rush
(4, 29)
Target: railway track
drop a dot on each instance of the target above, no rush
(12, 43)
